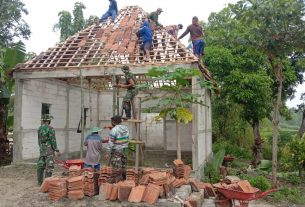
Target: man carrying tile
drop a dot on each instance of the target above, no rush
(47, 147)
(93, 142)
(118, 147)
(196, 33)
(112, 11)
(130, 85)
(173, 29)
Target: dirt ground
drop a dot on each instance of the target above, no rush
(18, 187)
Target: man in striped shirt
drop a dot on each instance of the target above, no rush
(118, 147)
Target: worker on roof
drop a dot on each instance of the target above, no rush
(112, 11)
(118, 147)
(47, 148)
(153, 19)
(93, 142)
(196, 33)
(145, 34)
(130, 85)
(173, 29)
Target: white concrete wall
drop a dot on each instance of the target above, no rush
(56, 93)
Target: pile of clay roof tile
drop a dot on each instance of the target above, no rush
(151, 194)
(76, 187)
(158, 178)
(132, 174)
(237, 185)
(136, 194)
(178, 168)
(125, 190)
(75, 170)
(207, 187)
(57, 189)
(46, 183)
(91, 183)
(107, 175)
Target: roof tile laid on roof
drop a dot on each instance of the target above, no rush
(112, 44)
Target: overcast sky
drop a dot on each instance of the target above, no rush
(43, 14)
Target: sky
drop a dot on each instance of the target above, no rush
(43, 14)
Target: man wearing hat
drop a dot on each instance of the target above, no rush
(130, 85)
(47, 147)
(153, 19)
(93, 142)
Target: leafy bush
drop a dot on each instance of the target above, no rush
(293, 179)
(259, 182)
(232, 149)
(289, 195)
(211, 170)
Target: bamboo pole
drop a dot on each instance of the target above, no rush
(82, 114)
(114, 96)
(138, 136)
(90, 101)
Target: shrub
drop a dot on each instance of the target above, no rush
(233, 149)
(259, 182)
(289, 195)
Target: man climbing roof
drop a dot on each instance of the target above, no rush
(173, 29)
(153, 19)
(145, 34)
(196, 33)
(112, 11)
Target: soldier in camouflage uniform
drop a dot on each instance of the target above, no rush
(130, 85)
(118, 148)
(47, 147)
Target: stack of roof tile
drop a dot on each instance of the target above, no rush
(178, 168)
(125, 189)
(151, 194)
(187, 171)
(177, 183)
(107, 175)
(57, 189)
(132, 174)
(159, 178)
(75, 170)
(136, 194)
(105, 191)
(46, 183)
(76, 187)
(114, 191)
(91, 183)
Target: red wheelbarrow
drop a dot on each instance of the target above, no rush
(68, 163)
(240, 199)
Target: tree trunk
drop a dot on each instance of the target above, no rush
(257, 147)
(276, 119)
(302, 127)
(3, 127)
(178, 141)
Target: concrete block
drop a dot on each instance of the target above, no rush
(183, 192)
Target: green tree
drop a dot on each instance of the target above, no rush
(276, 28)
(68, 25)
(12, 24)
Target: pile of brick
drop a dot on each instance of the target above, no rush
(76, 187)
(91, 183)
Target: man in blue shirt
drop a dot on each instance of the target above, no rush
(112, 11)
(145, 34)
(93, 142)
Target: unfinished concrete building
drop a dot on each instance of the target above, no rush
(51, 83)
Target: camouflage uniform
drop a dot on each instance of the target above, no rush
(130, 94)
(47, 144)
(118, 160)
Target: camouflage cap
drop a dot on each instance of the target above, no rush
(47, 117)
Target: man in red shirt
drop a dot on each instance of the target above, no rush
(196, 33)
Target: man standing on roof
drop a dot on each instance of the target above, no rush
(153, 19)
(173, 29)
(130, 85)
(118, 147)
(145, 34)
(93, 142)
(197, 37)
(47, 147)
(112, 11)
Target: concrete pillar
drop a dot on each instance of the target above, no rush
(67, 123)
(17, 150)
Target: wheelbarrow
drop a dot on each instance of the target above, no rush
(240, 199)
(68, 163)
